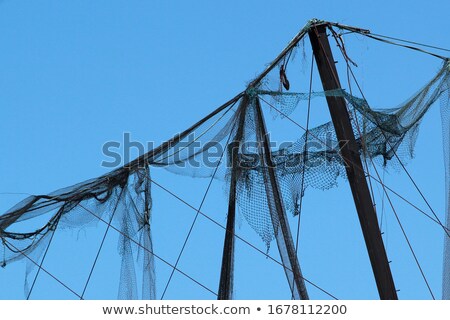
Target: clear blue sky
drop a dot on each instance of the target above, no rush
(76, 74)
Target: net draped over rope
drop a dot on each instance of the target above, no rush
(123, 197)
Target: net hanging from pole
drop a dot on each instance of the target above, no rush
(124, 196)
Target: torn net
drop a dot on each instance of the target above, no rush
(122, 199)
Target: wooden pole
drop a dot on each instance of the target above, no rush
(226, 273)
(284, 240)
(355, 173)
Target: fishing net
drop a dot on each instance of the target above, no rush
(269, 183)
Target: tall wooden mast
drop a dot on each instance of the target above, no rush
(227, 270)
(355, 173)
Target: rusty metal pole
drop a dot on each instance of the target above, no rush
(284, 241)
(227, 269)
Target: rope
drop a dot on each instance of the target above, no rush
(42, 268)
(101, 244)
(384, 39)
(367, 173)
(42, 261)
(197, 214)
(340, 44)
(412, 42)
(159, 161)
(305, 151)
(382, 201)
(379, 181)
(405, 236)
(387, 196)
(240, 238)
(146, 249)
(401, 163)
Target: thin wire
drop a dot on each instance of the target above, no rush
(146, 249)
(16, 193)
(42, 261)
(367, 173)
(305, 151)
(197, 138)
(363, 141)
(384, 227)
(406, 46)
(390, 202)
(384, 39)
(197, 213)
(210, 219)
(302, 182)
(42, 268)
(215, 222)
(347, 59)
(406, 236)
(401, 163)
(286, 61)
(419, 191)
(101, 244)
(162, 148)
(382, 200)
(411, 42)
(240, 238)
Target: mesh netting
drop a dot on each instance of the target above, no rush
(122, 198)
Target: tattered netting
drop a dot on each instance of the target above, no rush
(123, 200)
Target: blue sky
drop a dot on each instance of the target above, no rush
(76, 74)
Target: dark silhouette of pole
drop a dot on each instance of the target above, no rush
(226, 273)
(355, 173)
(275, 202)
